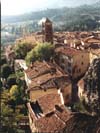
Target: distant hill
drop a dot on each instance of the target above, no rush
(81, 18)
(56, 14)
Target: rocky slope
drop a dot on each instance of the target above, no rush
(92, 86)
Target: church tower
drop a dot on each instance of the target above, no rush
(47, 31)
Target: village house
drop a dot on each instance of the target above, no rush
(74, 62)
(48, 115)
(45, 111)
(44, 78)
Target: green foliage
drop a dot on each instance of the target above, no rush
(5, 109)
(22, 49)
(17, 92)
(14, 92)
(43, 51)
(70, 19)
(10, 99)
(5, 71)
(3, 60)
(19, 74)
(11, 80)
(9, 119)
(79, 107)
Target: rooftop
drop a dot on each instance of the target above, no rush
(43, 79)
(62, 120)
(45, 75)
(68, 51)
(48, 102)
(39, 68)
(50, 124)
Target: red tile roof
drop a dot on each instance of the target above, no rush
(50, 124)
(43, 79)
(39, 68)
(68, 51)
(63, 113)
(64, 121)
(48, 102)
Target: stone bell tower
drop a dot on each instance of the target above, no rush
(47, 31)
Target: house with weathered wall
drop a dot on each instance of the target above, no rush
(44, 78)
(45, 111)
(74, 62)
(48, 115)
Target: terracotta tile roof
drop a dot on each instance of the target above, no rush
(43, 79)
(76, 123)
(48, 102)
(50, 124)
(45, 75)
(54, 121)
(63, 113)
(68, 51)
(39, 68)
(62, 120)
(92, 39)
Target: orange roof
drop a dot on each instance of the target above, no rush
(68, 51)
(48, 102)
(50, 124)
(39, 68)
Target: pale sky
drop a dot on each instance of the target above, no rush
(16, 7)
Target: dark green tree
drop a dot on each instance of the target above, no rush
(5, 71)
(22, 48)
(11, 80)
(43, 51)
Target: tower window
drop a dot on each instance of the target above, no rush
(82, 63)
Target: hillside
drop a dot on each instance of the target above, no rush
(82, 18)
(56, 14)
(92, 86)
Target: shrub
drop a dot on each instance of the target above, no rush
(22, 49)
(5, 71)
(43, 51)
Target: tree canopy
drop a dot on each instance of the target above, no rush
(22, 48)
(5, 71)
(42, 51)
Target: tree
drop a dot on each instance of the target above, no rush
(14, 92)
(43, 51)
(9, 119)
(3, 60)
(5, 71)
(29, 58)
(17, 93)
(11, 80)
(22, 48)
